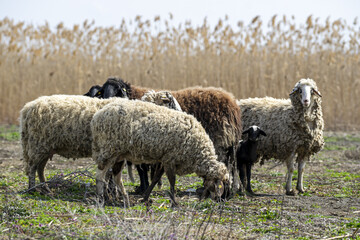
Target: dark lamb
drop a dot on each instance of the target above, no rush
(246, 155)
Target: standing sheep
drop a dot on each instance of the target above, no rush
(152, 134)
(218, 113)
(295, 127)
(246, 155)
(59, 124)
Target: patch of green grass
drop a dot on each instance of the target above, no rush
(347, 138)
(346, 176)
(333, 147)
(9, 133)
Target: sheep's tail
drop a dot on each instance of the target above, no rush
(130, 172)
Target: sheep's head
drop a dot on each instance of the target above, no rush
(161, 98)
(217, 188)
(93, 92)
(254, 133)
(304, 91)
(114, 87)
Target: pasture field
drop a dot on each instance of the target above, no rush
(330, 208)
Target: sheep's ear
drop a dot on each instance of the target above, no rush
(293, 91)
(246, 131)
(316, 92)
(262, 132)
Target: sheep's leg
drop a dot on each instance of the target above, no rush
(101, 182)
(130, 172)
(153, 169)
(172, 179)
(235, 173)
(242, 173)
(157, 176)
(40, 171)
(290, 170)
(248, 176)
(32, 175)
(144, 180)
(117, 168)
(301, 166)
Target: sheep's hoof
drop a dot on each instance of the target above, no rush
(139, 191)
(174, 205)
(250, 193)
(290, 193)
(300, 190)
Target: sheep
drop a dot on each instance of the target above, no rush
(295, 127)
(93, 91)
(218, 113)
(113, 87)
(246, 155)
(162, 98)
(152, 134)
(58, 124)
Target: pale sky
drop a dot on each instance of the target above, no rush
(111, 12)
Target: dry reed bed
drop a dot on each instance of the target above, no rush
(250, 61)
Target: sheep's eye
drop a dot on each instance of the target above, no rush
(300, 91)
(124, 89)
(98, 93)
(312, 91)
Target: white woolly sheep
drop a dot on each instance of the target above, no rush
(214, 108)
(294, 127)
(152, 134)
(58, 124)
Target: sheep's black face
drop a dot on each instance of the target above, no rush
(254, 133)
(115, 87)
(93, 92)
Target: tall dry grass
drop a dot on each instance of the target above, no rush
(252, 60)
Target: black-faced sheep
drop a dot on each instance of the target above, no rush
(93, 91)
(152, 134)
(218, 113)
(246, 155)
(294, 127)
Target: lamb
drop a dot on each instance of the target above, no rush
(218, 113)
(246, 155)
(152, 134)
(59, 124)
(295, 127)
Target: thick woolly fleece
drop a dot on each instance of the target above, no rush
(289, 126)
(217, 111)
(214, 108)
(58, 124)
(152, 134)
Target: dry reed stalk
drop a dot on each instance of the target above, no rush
(248, 61)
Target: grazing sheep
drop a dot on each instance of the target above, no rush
(246, 155)
(152, 134)
(295, 127)
(218, 113)
(93, 92)
(59, 124)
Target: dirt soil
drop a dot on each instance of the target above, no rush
(331, 201)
